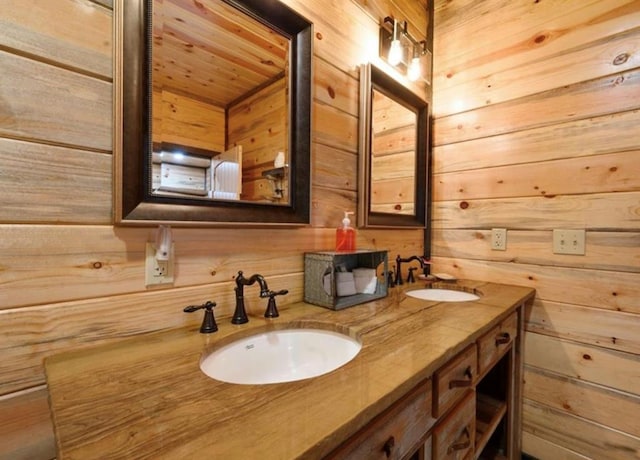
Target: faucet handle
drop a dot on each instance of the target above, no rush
(209, 322)
(272, 310)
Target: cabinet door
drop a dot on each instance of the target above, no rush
(454, 437)
(453, 379)
(396, 432)
(496, 342)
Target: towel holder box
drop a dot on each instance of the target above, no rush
(320, 270)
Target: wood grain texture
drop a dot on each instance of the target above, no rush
(55, 185)
(589, 401)
(592, 136)
(579, 435)
(72, 286)
(135, 396)
(602, 211)
(531, 133)
(589, 363)
(84, 44)
(614, 330)
(49, 104)
(607, 250)
(614, 172)
(538, 51)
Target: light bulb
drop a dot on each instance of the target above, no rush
(395, 52)
(414, 71)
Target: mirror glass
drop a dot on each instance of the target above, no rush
(393, 153)
(219, 104)
(215, 112)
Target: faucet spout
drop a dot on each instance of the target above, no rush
(240, 314)
(399, 260)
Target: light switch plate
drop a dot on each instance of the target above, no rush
(499, 239)
(569, 242)
(157, 272)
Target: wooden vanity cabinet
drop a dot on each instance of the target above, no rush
(396, 433)
(469, 410)
(454, 436)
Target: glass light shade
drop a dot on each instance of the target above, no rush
(414, 71)
(395, 52)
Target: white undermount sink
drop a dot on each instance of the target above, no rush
(443, 295)
(280, 356)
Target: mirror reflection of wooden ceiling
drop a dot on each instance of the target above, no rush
(208, 50)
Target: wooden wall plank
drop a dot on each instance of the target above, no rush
(334, 168)
(617, 251)
(603, 211)
(84, 43)
(593, 136)
(334, 128)
(617, 291)
(536, 53)
(47, 184)
(593, 326)
(46, 103)
(335, 88)
(592, 402)
(614, 172)
(607, 95)
(579, 435)
(45, 264)
(587, 363)
(541, 448)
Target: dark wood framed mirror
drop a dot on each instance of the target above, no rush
(152, 182)
(393, 156)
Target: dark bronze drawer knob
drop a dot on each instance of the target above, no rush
(463, 383)
(503, 338)
(462, 443)
(388, 446)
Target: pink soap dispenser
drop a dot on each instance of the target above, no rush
(346, 235)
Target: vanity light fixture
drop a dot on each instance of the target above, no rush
(401, 50)
(414, 71)
(396, 50)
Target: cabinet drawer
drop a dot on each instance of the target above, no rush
(454, 437)
(452, 380)
(395, 432)
(496, 342)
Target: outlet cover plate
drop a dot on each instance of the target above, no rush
(569, 242)
(157, 272)
(499, 239)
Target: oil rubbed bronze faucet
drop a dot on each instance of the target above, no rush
(423, 263)
(240, 314)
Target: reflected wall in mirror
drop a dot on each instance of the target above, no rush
(393, 153)
(215, 112)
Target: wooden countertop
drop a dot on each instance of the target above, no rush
(147, 398)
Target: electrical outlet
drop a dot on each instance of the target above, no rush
(158, 271)
(499, 239)
(569, 242)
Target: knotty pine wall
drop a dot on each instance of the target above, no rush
(68, 277)
(537, 127)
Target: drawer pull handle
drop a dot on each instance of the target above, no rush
(388, 446)
(461, 443)
(502, 338)
(463, 383)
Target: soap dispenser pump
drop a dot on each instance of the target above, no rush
(346, 235)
